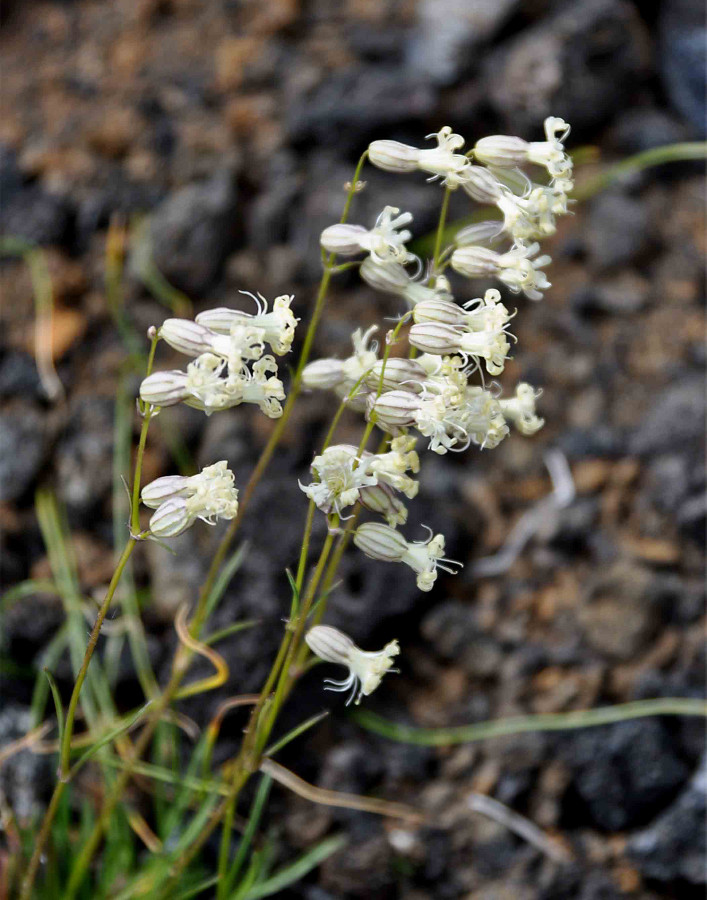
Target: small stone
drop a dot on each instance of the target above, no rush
(192, 231)
(672, 847)
(23, 445)
(676, 419)
(618, 232)
(85, 452)
(37, 216)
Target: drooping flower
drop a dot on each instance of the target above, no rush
(366, 668)
(424, 557)
(385, 242)
(277, 326)
(180, 500)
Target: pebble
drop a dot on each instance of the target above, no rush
(23, 448)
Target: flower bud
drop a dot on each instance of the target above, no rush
(481, 185)
(443, 311)
(380, 541)
(501, 150)
(392, 156)
(475, 262)
(171, 518)
(330, 644)
(380, 498)
(323, 374)
(186, 336)
(481, 233)
(390, 278)
(220, 319)
(162, 489)
(435, 338)
(164, 388)
(344, 240)
(403, 374)
(394, 409)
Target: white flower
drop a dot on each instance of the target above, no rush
(381, 499)
(491, 344)
(243, 341)
(521, 409)
(441, 162)
(399, 373)
(515, 268)
(393, 156)
(424, 557)
(277, 327)
(366, 668)
(164, 388)
(181, 500)
(384, 241)
(390, 468)
(323, 374)
(340, 479)
(211, 389)
(551, 152)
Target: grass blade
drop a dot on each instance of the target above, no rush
(298, 869)
(58, 705)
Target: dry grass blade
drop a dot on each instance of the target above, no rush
(336, 798)
(218, 662)
(519, 825)
(29, 741)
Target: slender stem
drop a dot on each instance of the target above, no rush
(440, 228)
(184, 654)
(147, 415)
(65, 754)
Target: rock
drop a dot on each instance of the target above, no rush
(618, 233)
(668, 480)
(25, 777)
(84, 454)
(624, 294)
(619, 615)
(676, 419)
(581, 63)
(348, 109)
(623, 774)
(192, 231)
(441, 44)
(23, 446)
(30, 623)
(692, 519)
(643, 129)
(454, 634)
(37, 216)
(672, 847)
(175, 577)
(683, 59)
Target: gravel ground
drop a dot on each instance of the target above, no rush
(230, 127)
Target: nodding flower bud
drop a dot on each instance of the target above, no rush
(390, 278)
(482, 233)
(379, 541)
(490, 344)
(164, 388)
(323, 374)
(381, 499)
(515, 268)
(344, 240)
(392, 156)
(501, 150)
(398, 374)
(277, 327)
(424, 557)
(435, 338)
(394, 409)
(366, 668)
(482, 185)
(186, 336)
(443, 311)
(208, 496)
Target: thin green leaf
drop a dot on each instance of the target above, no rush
(295, 732)
(298, 869)
(58, 705)
(294, 606)
(229, 630)
(256, 812)
(108, 738)
(463, 734)
(224, 577)
(197, 888)
(25, 589)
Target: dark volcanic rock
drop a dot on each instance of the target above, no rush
(580, 64)
(619, 231)
(193, 230)
(672, 848)
(623, 774)
(676, 419)
(19, 376)
(84, 454)
(37, 216)
(25, 777)
(23, 445)
(683, 58)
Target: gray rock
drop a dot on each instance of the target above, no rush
(672, 847)
(37, 216)
(193, 230)
(623, 774)
(643, 129)
(447, 31)
(25, 777)
(683, 59)
(619, 232)
(625, 294)
(452, 630)
(23, 446)
(581, 64)
(175, 577)
(84, 454)
(19, 376)
(347, 108)
(676, 419)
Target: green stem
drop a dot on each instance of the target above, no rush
(65, 754)
(440, 228)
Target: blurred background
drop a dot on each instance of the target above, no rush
(161, 155)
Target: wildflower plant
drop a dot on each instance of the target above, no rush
(437, 397)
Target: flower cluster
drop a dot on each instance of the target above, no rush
(224, 342)
(439, 393)
(179, 500)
